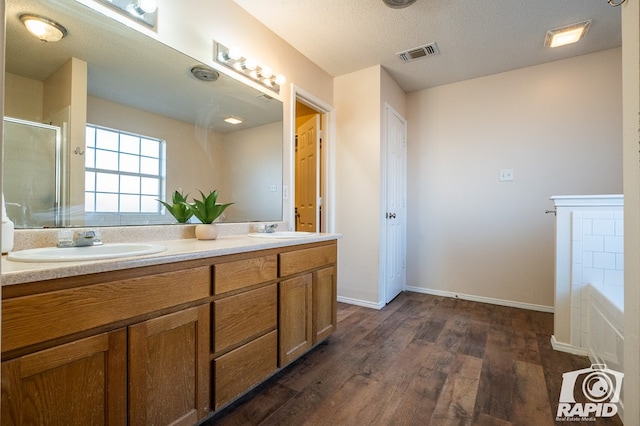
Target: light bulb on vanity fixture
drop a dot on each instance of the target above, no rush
(142, 6)
(247, 66)
(144, 11)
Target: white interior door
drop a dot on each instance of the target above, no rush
(395, 195)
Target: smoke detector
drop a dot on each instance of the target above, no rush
(204, 73)
(398, 4)
(418, 52)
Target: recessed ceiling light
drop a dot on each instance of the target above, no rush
(233, 120)
(567, 34)
(43, 28)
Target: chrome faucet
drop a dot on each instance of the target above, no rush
(268, 229)
(83, 238)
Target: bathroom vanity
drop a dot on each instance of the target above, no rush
(166, 338)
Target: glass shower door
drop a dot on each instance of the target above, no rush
(31, 173)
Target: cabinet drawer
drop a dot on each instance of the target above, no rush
(244, 367)
(37, 318)
(304, 260)
(244, 273)
(243, 316)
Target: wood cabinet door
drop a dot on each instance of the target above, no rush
(169, 369)
(325, 303)
(295, 318)
(78, 383)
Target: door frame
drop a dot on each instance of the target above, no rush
(382, 290)
(327, 118)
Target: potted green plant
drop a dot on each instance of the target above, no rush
(178, 209)
(207, 210)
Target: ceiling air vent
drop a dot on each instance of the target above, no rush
(418, 52)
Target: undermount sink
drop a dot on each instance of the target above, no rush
(75, 254)
(284, 234)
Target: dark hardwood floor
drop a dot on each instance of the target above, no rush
(422, 360)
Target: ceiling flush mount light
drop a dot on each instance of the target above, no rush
(566, 35)
(43, 28)
(398, 4)
(233, 120)
(262, 74)
(144, 11)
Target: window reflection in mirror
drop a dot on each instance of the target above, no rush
(110, 76)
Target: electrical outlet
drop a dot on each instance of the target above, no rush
(506, 175)
(273, 188)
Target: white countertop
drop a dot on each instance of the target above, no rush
(177, 251)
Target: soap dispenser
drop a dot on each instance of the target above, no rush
(7, 229)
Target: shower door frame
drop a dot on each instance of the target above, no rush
(57, 215)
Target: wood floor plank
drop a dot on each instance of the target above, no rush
(474, 341)
(258, 406)
(431, 328)
(458, 396)
(421, 360)
(482, 419)
(497, 379)
(530, 406)
(381, 354)
(416, 401)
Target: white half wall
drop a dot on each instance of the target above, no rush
(631, 135)
(557, 125)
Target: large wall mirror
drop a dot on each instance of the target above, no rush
(104, 122)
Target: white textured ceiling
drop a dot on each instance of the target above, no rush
(475, 37)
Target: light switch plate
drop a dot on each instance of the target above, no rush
(506, 175)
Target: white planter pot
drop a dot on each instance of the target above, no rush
(207, 231)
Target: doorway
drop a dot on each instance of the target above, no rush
(308, 169)
(311, 164)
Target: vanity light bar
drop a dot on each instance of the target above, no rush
(143, 11)
(262, 74)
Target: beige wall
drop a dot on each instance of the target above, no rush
(357, 103)
(23, 98)
(631, 137)
(558, 126)
(359, 100)
(251, 166)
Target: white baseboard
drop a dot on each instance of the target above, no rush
(565, 347)
(482, 299)
(363, 303)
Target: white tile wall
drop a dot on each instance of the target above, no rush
(597, 253)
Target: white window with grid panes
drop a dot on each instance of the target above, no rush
(124, 172)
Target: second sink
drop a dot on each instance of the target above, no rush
(75, 254)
